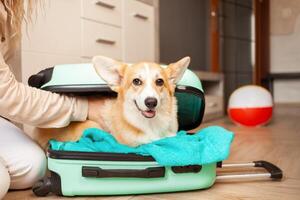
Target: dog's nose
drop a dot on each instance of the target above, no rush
(151, 102)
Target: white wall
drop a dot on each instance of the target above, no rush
(285, 47)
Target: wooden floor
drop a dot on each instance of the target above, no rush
(279, 142)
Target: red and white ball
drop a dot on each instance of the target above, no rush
(250, 106)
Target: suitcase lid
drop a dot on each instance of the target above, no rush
(82, 79)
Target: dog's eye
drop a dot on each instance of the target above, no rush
(137, 81)
(159, 82)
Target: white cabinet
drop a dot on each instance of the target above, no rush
(213, 85)
(72, 31)
(55, 29)
(138, 31)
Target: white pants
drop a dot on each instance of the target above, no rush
(22, 162)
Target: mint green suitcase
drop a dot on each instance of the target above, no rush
(90, 174)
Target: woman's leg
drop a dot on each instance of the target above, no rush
(4, 180)
(24, 160)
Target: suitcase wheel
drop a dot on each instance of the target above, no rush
(42, 187)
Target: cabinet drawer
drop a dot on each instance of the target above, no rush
(213, 104)
(213, 107)
(139, 35)
(106, 11)
(100, 39)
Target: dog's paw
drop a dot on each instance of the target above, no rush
(170, 134)
(146, 139)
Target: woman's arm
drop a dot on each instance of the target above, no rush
(32, 106)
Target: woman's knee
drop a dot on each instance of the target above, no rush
(29, 169)
(24, 159)
(4, 180)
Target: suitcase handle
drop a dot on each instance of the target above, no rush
(97, 172)
(39, 79)
(274, 172)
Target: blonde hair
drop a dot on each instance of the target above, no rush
(17, 12)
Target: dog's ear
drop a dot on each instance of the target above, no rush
(176, 70)
(109, 70)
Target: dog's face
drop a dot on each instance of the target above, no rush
(145, 88)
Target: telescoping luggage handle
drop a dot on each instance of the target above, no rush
(274, 172)
(97, 172)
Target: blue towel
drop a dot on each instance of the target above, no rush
(208, 145)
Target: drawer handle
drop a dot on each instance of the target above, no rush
(140, 16)
(212, 104)
(105, 41)
(105, 5)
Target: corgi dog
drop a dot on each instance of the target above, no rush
(144, 110)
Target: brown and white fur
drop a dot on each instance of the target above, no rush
(144, 110)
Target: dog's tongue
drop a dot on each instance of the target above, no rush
(149, 113)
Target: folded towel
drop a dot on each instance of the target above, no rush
(209, 145)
